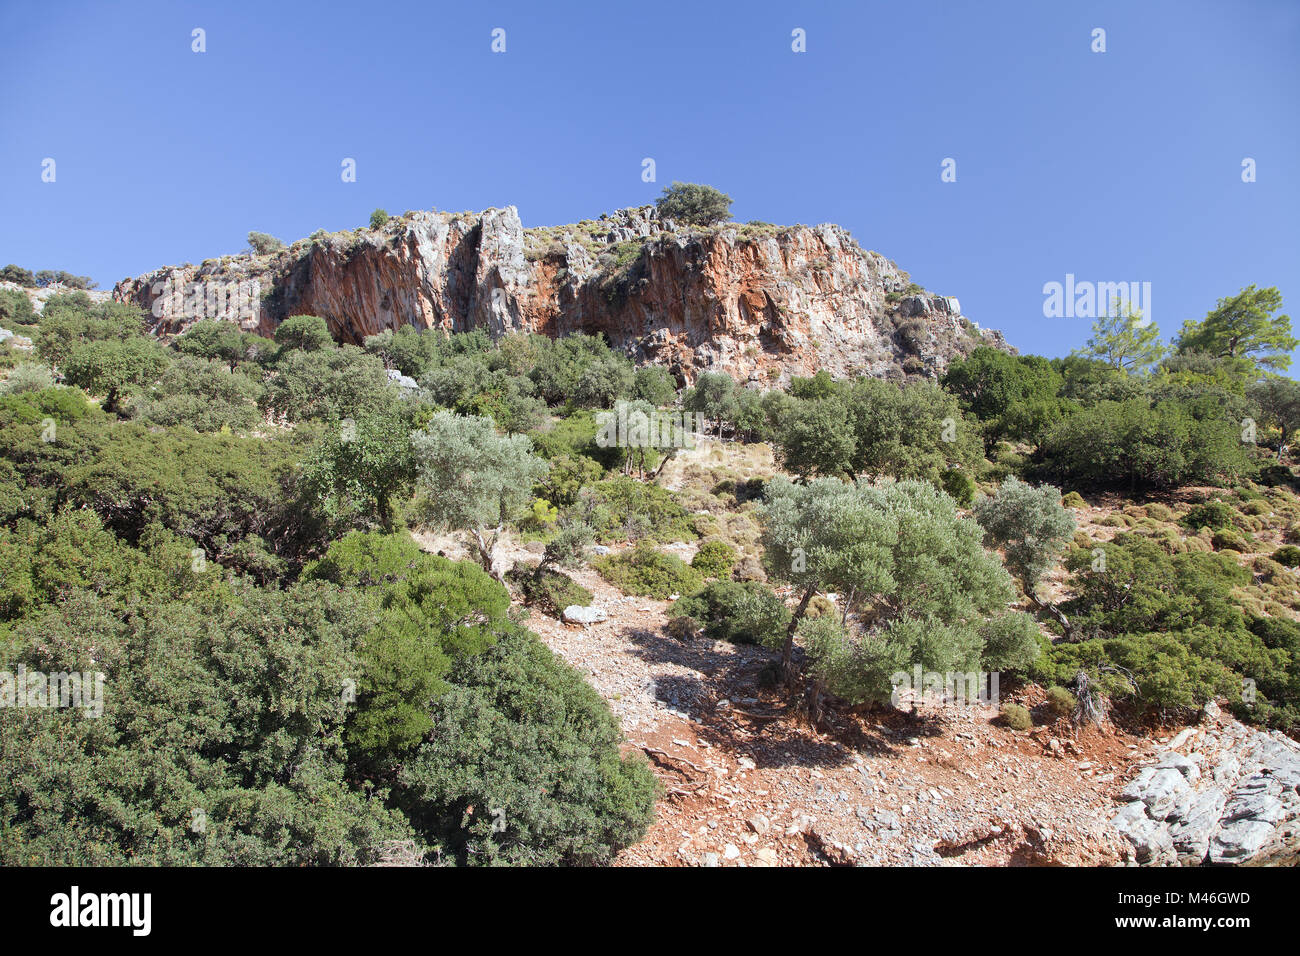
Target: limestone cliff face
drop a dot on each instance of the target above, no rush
(759, 302)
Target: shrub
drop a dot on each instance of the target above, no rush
(1212, 514)
(683, 628)
(550, 590)
(648, 572)
(27, 377)
(694, 203)
(741, 612)
(263, 244)
(378, 218)
(1229, 539)
(1016, 717)
(820, 605)
(714, 559)
(524, 766)
(1060, 702)
(1074, 500)
(1287, 555)
(960, 485)
(1159, 512)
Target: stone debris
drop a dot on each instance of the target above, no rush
(1236, 800)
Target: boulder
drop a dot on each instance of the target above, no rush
(577, 614)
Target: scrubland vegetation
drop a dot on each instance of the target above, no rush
(220, 524)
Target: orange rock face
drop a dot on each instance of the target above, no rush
(759, 302)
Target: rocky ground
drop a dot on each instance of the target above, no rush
(748, 784)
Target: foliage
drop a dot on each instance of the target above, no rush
(430, 612)
(694, 203)
(1243, 325)
(264, 245)
(745, 612)
(360, 468)
(714, 559)
(525, 767)
(1013, 396)
(1122, 341)
(473, 479)
(1144, 444)
(307, 332)
(1016, 717)
(648, 572)
(1030, 524)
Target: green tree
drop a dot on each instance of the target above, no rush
(654, 384)
(1013, 396)
(114, 368)
(713, 396)
(378, 218)
(1031, 525)
(1278, 400)
(694, 203)
(1122, 341)
(1244, 325)
(360, 466)
(307, 332)
(474, 479)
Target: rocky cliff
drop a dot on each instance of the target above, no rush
(758, 301)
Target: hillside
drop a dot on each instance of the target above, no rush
(757, 301)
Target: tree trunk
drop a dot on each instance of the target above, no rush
(1053, 610)
(787, 649)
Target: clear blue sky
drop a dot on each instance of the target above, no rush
(1115, 166)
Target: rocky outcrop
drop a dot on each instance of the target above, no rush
(1233, 797)
(760, 302)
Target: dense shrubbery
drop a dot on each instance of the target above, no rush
(1172, 623)
(646, 571)
(742, 611)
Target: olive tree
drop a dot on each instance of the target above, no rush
(473, 479)
(1031, 526)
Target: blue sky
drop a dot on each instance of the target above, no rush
(1115, 166)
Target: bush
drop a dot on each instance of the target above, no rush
(1016, 717)
(683, 628)
(741, 612)
(15, 309)
(550, 590)
(714, 559)
(648, 572)
(1229, 539)
(1060, 702)
(1212, 514)
(524, 766)
(1287, 555)
(378, 218)
(694, 203)
(960, 485)
(263, 244)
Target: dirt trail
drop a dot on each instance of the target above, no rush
(746, 785)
